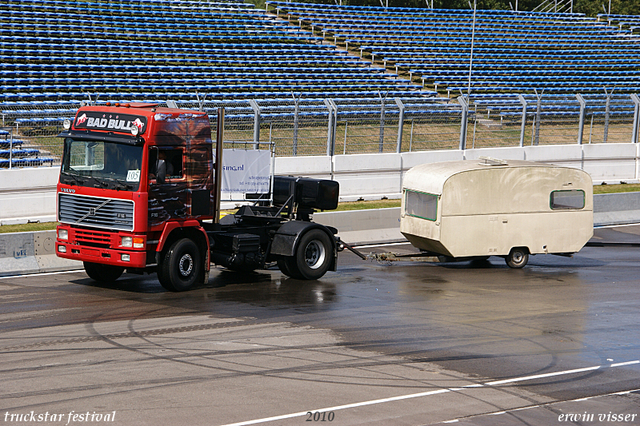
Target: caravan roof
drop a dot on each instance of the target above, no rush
(431, 177)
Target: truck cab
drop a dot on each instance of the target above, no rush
(139, 191)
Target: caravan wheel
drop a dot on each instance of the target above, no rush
(517, 257)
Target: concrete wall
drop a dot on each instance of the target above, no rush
(616, 209)
(31, 252)
(29, 194)
(374, 176)
(23, 253)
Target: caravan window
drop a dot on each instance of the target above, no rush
(570, 199)
(421, 204)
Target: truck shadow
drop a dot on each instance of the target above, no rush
(257, 288)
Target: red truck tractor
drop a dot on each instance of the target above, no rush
(139, 190)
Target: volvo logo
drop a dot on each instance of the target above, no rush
(92, 211)
(69, 190)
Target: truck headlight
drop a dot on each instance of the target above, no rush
(132, 242)
(63, 234)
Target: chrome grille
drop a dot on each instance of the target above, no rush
(95, 212)
(93, 238)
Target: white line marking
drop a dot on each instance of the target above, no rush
(526, 408)
(437, 392)
(542, 376)
(42, 274)
(548, 404)
(616, 226)
(627, 392)
(620, 364)
(342, 407)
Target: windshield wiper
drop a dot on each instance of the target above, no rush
(120, 184)
(123, 185)
(79, 181)
(99, 183)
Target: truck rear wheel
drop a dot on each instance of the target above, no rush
(181, 266)
(102, 273)
(284, 265)
(517, 257)
(312, 257)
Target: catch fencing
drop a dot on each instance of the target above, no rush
(307, 126)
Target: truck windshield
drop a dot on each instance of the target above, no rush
(101, 164)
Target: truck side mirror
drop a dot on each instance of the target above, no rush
(161, 171)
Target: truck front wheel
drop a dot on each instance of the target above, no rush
(102, 273)
(181, 266)
(312, 256)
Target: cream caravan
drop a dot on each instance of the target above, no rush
(489, 207)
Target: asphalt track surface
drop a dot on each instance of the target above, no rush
(391, 343)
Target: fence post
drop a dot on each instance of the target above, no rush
(256, 123)
(335, 129)
(382, 105)
(583, 112)
(346, 129)
(11, 149)
(607, 112)
(411, 138)
(463, 125)
(331, 133)
(296, 112)
(538, 116)
(523, 101)
(636, 117)
(400, 124)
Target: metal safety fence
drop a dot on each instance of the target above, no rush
(307, 126)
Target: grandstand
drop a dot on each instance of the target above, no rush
(624, 22)
(57, 50)
(513, 52)
(55, 54)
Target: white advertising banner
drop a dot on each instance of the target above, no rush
(245, 172)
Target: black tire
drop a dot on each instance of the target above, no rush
(283, 265)
(181, 266)
(517, 258)
(102, 273)
(289, 267)
(313, 256)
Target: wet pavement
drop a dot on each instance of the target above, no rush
(444, 341)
